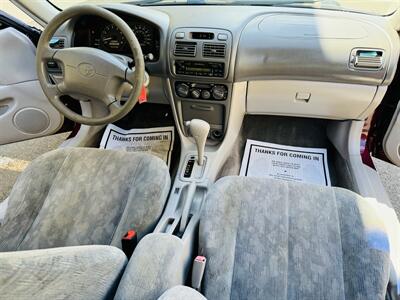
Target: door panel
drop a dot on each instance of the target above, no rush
(25, 112)
(391, 141)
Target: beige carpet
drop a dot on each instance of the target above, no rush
(390, 177)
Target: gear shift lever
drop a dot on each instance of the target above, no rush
(199, 130)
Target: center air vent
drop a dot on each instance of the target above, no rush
(185, 49)
(367, 59)
(214, 50)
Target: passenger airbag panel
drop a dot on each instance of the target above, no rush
(313, 47)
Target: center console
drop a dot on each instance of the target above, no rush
(199, 62)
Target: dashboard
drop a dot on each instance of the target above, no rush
(279, 61)
(95, 32)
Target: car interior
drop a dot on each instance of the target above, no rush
(214, 149)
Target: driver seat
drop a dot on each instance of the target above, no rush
(84, 196)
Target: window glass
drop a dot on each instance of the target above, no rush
(375, 7)
(14, 11)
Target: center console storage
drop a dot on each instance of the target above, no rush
(199, 62)
(214, 114)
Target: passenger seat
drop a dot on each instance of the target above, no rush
(268, 239)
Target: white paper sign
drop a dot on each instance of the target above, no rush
(289, 163)
(158, 141)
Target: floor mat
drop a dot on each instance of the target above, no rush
(16, 156)
(298, 132)
(390, 177)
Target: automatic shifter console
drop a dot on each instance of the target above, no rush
(199, 130)
(194, 165)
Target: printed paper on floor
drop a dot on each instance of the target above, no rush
(157, 141)
(308, 165)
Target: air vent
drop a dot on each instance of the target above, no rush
(214, 50)
(57, 43)
(367, 59)
(185, 49)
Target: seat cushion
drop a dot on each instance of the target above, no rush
(85, 272)
(82, 196)
(268, 239)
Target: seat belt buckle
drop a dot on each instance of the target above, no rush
(199, 265)
(129, 242)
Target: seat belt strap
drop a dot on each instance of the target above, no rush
(129, 242)
(199, 265)
(3, 210)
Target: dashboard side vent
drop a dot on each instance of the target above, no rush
(57, 43)
(367, 59)
(185, 49)
(214, 50)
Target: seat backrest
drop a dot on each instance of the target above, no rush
(267, 239)
(84, 196)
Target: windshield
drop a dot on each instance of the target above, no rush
(376, 7)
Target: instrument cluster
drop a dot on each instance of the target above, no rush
(93, 31)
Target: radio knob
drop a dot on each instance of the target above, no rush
(218, 92)
(205, 94)
(182, 90)
(196, 94)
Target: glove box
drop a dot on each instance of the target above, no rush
(312, 99)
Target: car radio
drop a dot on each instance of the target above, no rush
(200, 68)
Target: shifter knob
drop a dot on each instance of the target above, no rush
(199, 130)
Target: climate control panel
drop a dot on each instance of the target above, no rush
(201, 91)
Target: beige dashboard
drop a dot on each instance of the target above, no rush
(294, 61)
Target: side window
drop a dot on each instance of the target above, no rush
(9, 8)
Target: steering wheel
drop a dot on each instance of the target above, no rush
(89, 73)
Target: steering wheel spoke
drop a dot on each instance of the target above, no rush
(130, 75)
(120, 72)
(112, 104)
(48, 53)
(115, 107)
(55, 90)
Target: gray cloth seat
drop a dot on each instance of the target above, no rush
(156, 265)
(84, 196)
(83, 272)
(267, 239)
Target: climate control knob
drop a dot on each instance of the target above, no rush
(196, 93)
(205, 94)
(219, 92)
(182, 90)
